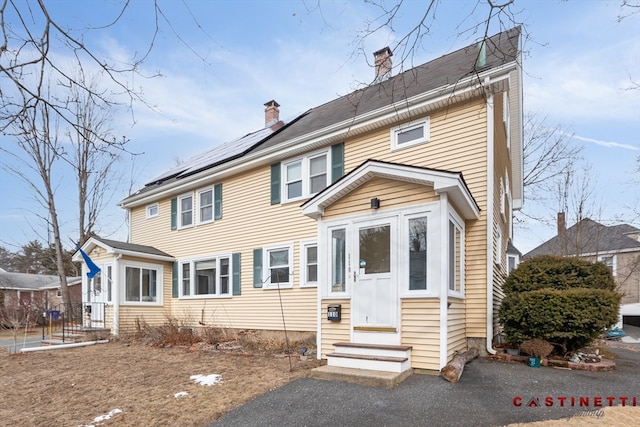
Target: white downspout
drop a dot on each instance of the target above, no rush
(490, 195)
(444, 278)
(116, 294)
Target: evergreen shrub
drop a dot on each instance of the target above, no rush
(567, 301)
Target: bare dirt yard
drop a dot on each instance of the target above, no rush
(137, 383)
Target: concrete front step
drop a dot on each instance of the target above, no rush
(375, 357)
(365, 377)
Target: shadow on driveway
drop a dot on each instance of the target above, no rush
(490, 393)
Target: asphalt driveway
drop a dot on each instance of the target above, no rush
(490, 393)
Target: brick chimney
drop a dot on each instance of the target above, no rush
(383, 63)
(562, 233)
(272, 115)
(562, 224)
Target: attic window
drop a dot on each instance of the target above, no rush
(408, 135)
(152, 210)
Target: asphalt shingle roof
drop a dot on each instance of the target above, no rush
(502, 48)
(589, 237)
(132, 247)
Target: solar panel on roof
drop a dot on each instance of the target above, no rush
(215, 155)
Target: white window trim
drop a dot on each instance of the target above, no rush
(192, 272)
(503, 201)
(458, 223)
(613, 262)
(324, 259)
(159, 283)
(506, 119)
(304, 281)
(199, 206)
(305, 162)
(266, 275)
(425, 123)
(179, 210)
(515, 262)
(433, 258)
(149, 207)
(499, 246)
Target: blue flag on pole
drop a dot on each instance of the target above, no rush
(93, 268)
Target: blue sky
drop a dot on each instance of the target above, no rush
(230, 57)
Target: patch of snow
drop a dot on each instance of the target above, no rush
(630, 340)
(103, 418)
(207, 379)
(180, 394)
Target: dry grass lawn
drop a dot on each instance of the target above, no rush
(72, 387)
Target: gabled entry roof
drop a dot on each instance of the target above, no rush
(443, 182)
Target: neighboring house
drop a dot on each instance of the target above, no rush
(36, 291)
(381, 217)
(513, 257)
(618, 246)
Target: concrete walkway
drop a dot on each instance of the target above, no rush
(490, 393)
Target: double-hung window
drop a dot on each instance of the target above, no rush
(205, 205)
(142, 284)
(306, 176)
(610, 262)
(277, 261)
(309, 263)
(185, 210)
(206, 277)
(293, 180)
(317, 173)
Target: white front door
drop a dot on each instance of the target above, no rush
(99, 296)
(374, 301)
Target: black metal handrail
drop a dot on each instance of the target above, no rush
(72, 318)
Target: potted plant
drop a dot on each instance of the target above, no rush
(537, 349)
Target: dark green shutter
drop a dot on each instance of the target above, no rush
(337, 161)
(217, 201)
(275, 183)
(174, 280)
(174, 213)
(236, 273)
(257, 268)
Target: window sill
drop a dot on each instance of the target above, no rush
(142, 304)
(416, 295)
(196, 297)
(276, 287)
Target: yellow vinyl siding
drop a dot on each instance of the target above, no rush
(457, 143)
(456, 333)
(108, 316)
(130, 316)
(248, 222)
(421, 329)
(333, 332)
(392, 194)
